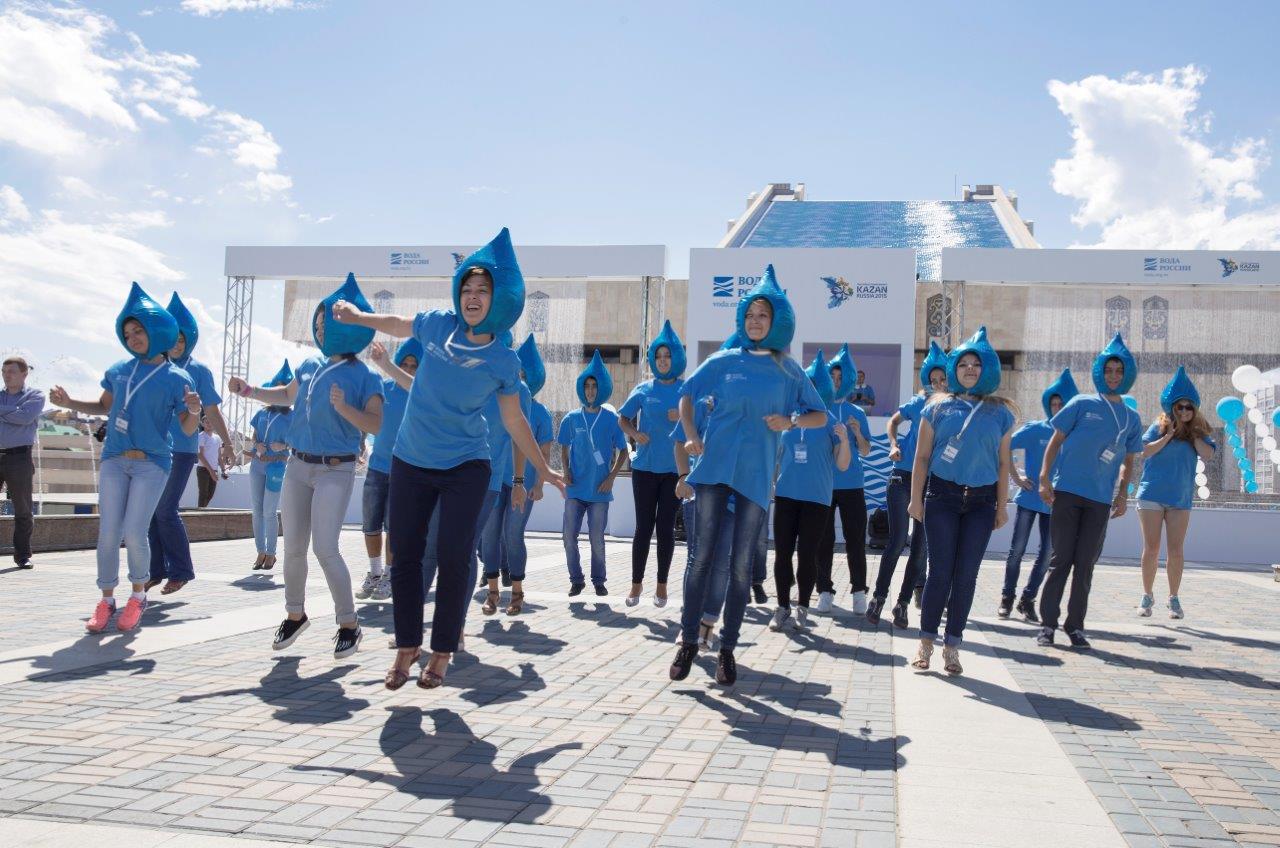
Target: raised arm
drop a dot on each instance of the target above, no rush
(274, 396)
(102, 406)
(378, 353)
(396, 326)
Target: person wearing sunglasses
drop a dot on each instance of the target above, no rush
(1171, 447)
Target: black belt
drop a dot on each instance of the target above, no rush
(317, 459)
(18, 449)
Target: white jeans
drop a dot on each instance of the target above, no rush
(313, 502)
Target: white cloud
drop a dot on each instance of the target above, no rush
(484, 189)
(1143, 169)
(13, 208)
(75, 187)
(209, 8)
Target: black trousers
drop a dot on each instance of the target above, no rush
(16, 473)
(416, 493)
(852, 504)
(1078, 527)
(207, 484)
(797, 524)
(656, 504)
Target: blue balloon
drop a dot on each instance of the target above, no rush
(1251, 487)
(1239, 452)
(1275, 417)
(1130, 401)
(1230, 408)
(1242, 464)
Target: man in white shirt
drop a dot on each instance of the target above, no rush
(210, 467)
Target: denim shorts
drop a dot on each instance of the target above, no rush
(374, 499)
(1156, 506)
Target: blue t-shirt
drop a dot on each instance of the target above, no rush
(147, 415)
(852, 477)
(1092, 424)
(203, 385)
(587, 434)
(394, 401)
(976, 460)
(500, 473)
(807, 467)
(1032, 438)
(740, 449)
(910, 411)
(864, 394)
(543, 433)
(1169, 475)
(270, 426)
(317, 427)
(652, 402)
(444, 424)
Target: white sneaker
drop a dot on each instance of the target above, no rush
(382, 591)
(366, 588)
(632, 600)
(859, 603)
(826, 600)
(802, 618)
(1175, 607)
(1145, 606)
(780, 616)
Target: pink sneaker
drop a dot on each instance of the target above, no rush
(101, 615)
(132, 614)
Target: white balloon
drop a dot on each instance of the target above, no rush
(1255, 416)
(1275, 456)
(1204, 492)
(1268, 443)
(1202, 480)
(1260, 429)
(1250, 400)
(1200, 465)
(1246, 378)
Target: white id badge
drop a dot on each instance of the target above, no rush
(599, 458)
(1107, 455)
(801, 453)
(951, 451)
(122, 424)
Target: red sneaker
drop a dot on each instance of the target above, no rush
(101, 615)
(132, 614)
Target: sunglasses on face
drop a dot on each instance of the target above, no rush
(1184, 407)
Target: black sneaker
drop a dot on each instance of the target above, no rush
(346, 641)
(726, 669)
(601, 590)
(685, 656)
(1078, 641)
(1006, 606)
(575, 589)
(506, 579)
(26, 564)
(873, 610)
(1045, 639)
(1027, 609)
(900, 617)
(757, 592)
(916, 595)
(288, 631)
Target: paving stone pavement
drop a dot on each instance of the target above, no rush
(562, 728)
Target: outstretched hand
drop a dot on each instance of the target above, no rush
(59, 396)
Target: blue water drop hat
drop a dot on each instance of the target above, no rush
(1115, 350)
(989, 381)
(343, 338)
(535, 370)
(162, 329)
(409, 347)
(186, 325)
(848, 372)
(1064, 387)
(820, 376)
(1179, 388)
(604, 382)
(783, 328)
(283, 377)
(668, 339)
(498, 258)
(936, 358)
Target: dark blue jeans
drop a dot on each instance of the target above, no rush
(748, 516)
(958, 521)
(170, 548)
(897, 497)
(1018, 546)
(458, 494)
(759, 558)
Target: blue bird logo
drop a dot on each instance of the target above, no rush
(1229, 267)
(839, 289)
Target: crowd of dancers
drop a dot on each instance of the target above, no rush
(462, 452)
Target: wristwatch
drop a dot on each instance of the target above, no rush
(517, 479)
(795, 416)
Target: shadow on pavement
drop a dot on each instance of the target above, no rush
(298, 700)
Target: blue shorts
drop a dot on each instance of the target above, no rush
(374, 499)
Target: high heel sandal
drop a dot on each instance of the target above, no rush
(430, 679)
(517, 603)
(269, 562)
(398, 676)
(490, 603)
(923, 655)
(951, 661)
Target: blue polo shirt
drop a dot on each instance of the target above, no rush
(1032, 438)
(142, 420)
(977, 427)
(585, 434)
(807, 468)
(444, 424)
(1169, 475)
(268, 427)
(853, 476)
(543, 433)
(394, 401)
(317, 428)
(1092, 424)
(910, 411)
(651, 403)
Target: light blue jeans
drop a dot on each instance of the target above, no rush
(264, 504)
(597, 515)
(128, 491)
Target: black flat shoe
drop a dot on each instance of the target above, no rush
(575, 589)
(683, 662)
(726, 669)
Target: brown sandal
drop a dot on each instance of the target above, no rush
(490, 603)
(397, 676)
(430, 679)
(923, 655)
(517, 603)
(172, 586)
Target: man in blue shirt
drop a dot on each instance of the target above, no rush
(862, 394)
(1098, 437)
(20, 408)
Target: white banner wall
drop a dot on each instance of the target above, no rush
(865, 297)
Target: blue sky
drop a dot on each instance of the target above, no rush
(581, 123)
